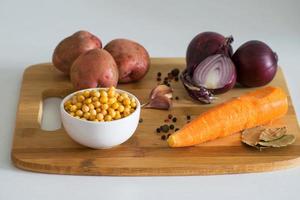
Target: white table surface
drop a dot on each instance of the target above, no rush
(29, 30)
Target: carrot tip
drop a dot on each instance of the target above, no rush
(171, 141)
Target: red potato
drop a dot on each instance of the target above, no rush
(132, 59)
(73, 46)
(95, 68)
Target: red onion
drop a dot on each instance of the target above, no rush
(206, 44)
(256, 64)
(216, 73)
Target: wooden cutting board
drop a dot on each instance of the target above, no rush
(144, 154)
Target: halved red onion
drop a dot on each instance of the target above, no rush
(216, 73)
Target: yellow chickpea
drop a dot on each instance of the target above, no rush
(112, 100)
(115, 105)
(95, 120)
(103, 99)
(79, 105)
(120, 98)
(73, 108)
(112, 112)
(92, 92)
(94, 99)
(111, 93)
(117, 95)
(69, 107)
(97, 94)
(86, 94)
(132, 99)
(67, 103)
(72, 114)
(77, 117)
(87, 115)
(74, 100)
(100, 116)
(126, 113)
(107, 118)
(80, 98)
(121, 108)
(118, 115)
(91, 106)
(128, 107)
(88, 101)
(126, 101)
(98, 110)
(132, 110)
(96, 104)
(124, 95)
(93, 112)
(92, 117)
(85, 108)
(79, 113)
(103, 93)
(126, 110)
(82, 118)
(133, 104)
(104, 112)
(104, 106)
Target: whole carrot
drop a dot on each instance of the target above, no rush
(252, 109)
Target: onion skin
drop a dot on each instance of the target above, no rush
(206, 44)
(256, 64)
(220, 63)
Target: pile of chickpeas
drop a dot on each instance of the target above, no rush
(100, 105)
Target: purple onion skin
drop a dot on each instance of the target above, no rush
(206, 44)
(256, 64)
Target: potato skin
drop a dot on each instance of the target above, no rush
(132, 59)
(95, 68)
(73, 46)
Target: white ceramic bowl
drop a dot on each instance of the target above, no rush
(100, 135)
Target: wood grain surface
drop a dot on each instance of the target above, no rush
(144, 154)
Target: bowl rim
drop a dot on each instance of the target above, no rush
(62, 108)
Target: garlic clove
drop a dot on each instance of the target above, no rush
(161, 90)
(160, 102)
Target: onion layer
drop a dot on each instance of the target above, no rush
(196, 92)
(216, 73)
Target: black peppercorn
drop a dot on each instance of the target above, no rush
(141, 120)
(175, 72)
(188, 117)
(163, 137)
(171, 126)
(165, 128)
(170, 116)
(174, 119)
(159, 74)
(176, 78)
(158, 79)
(177, 98)
(158, 130)
(176, 129)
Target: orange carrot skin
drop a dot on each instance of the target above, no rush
(252, 109)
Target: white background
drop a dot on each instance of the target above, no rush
(29, 30)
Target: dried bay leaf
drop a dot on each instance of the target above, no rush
(270, 134)
(281, 142)
(261, 137)
(251, 136)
